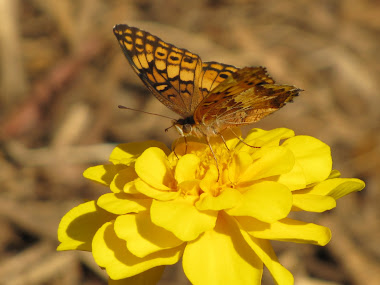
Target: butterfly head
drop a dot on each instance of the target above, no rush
(184, 126)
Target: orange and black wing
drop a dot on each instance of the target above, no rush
(170, 73)
(213, 73)
(245, 97)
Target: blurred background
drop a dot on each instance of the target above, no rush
(63, 75)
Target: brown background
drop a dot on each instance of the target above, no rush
(63, 74)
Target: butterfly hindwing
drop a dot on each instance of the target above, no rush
(170, 73)
(213, 73)
(245, 97)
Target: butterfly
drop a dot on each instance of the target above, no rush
(209, 96)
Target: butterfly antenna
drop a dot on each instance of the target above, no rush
(126, 108)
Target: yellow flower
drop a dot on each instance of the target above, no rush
(219, 217)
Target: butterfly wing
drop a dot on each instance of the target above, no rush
(245, 97)
(213, 73)
(170, 73)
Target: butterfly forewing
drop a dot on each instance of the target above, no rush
(170, 73)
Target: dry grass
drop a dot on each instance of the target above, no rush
(62, 76)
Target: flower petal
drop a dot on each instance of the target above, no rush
(103, 174)
(270, 161)
(240, 162)
(259, 137)
(313, 203)
(124, 181)
(221, 256)
(189, 187)
(312, 155)
(286, 230)
(182, 218)
(127, 153)
(187, 167)
(79, 225)
(334, 174)
(151, 276)
(122, 203)
(154, 193)
(264, 250)
(181, 148)
(142, 236)
(295, 179)
(227, 198)
(153, 168)
(267, 201)
(336, 187)
(111, 253)
(208, 182)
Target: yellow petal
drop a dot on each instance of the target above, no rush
(294, 179)
(189, 187)
(240, 162)
(151, 276)
(153, 168)
(286, 230)
(334, 174)
(122, 203)
(187, 167)
(208, 182)
(193, 145)
(267, 201)
(264, 250)
(313, 203)
(227, 198)
(259, 137)
(102, 174)
(182, 218)
(312, 155)
(154, 193)
(337, 187)
(142, 236)
(111, 253)
(128, 152)
(271, 161)
(124, 181)
(78, 226)
(221, 256)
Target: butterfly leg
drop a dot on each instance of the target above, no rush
(174, 147)
(213, 154)
(185, 139)
(224, 141)
(242, 140)
(175, 154)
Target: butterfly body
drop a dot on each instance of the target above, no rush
(209, 96)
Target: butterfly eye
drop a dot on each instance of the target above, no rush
(186, 128)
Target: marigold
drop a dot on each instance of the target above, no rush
(219, 218)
